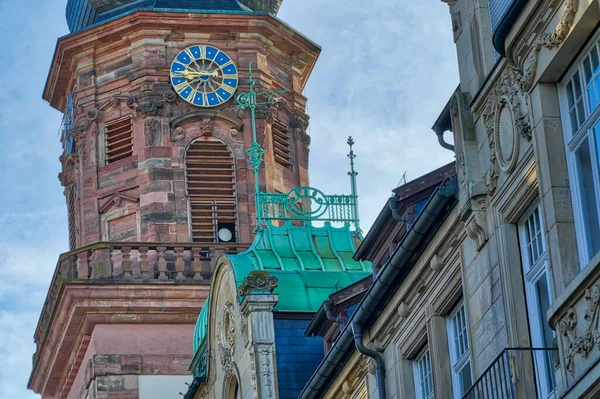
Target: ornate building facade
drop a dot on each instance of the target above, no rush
(157, 181)
(494, 295)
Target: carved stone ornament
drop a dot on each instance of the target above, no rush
(474, 218)
(263, 284)
(177, 134)
(506, 139)
(207, 126)
(152, 132)
(582, 344)
(300, 122)
(550, 41)
(226, 338)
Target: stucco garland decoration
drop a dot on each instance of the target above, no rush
(582, 344)
(549, 40)
(226, 338)
(253, 372)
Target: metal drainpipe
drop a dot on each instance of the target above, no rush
(440, 136)
(392, 205)
(379, 363)
(328, 306)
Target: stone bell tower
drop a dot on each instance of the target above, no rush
(157, 180)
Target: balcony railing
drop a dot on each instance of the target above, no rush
(132, 262)
(518, 373)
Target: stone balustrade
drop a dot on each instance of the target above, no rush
(132, 262)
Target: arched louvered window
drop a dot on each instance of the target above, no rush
(211, 190)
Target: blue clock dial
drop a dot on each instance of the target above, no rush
(204, 76)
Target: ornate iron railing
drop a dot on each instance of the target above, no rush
(307, 204)
(518, 373)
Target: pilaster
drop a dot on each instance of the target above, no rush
(257, 311)
(553, 183)
(438, 344)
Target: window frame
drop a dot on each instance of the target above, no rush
(458, 365)
(573, 141)
(533, 272)
(417, 374)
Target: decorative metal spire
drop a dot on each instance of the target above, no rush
(353, 173)
(255, 152)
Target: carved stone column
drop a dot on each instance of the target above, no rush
(257, 311)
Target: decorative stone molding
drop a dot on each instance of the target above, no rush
(226, 338)
(581, 344)
(550, 41)
(474, 218)
(403, 310)
(259, 283)
(116, 199)
(207, 126)
(506, 139)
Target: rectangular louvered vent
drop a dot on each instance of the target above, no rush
(71, 218)
(282, 149)
(211, 188)
(119, 139)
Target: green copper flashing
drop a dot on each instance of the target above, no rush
(309, 262)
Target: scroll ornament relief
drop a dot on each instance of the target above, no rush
(582, 344)
(550, 41)
(226, 338)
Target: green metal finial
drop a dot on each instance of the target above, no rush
(255, 152)
(353, 173)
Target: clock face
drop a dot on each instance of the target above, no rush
(204, 76)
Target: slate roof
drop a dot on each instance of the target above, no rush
(297, 356)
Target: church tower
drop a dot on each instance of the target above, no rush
(157, 180)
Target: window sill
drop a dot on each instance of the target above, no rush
(574, 291)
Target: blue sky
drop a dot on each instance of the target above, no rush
(386, 70)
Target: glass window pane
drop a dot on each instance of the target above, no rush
(464, 379)
(589, 202)
(543, 299)
(570, 98)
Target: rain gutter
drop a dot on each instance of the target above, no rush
(389, 277)
(506, 24)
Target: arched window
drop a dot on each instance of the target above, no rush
(210, 183)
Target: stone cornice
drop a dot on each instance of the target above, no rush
(82, 306)
(105, 39)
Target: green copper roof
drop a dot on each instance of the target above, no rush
(309, 262)
(201, 325)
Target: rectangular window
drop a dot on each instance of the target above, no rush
(422, 375)
(534, 259)
(118, 138)
(282, 146)
(460, 358)
(580, 100)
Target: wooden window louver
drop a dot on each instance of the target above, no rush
(71, 218)
(119, 139)
(211, 189)
(282, 146)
